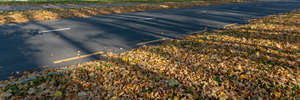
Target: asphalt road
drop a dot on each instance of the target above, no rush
(26, 46)
(24, 7)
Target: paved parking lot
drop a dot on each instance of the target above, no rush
(31, 45)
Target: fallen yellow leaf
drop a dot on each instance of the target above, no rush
(58, 93)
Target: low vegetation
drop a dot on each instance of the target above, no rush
(256, 61)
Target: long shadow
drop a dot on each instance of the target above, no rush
(272, 37)
(292, 32)
(183, 48)
(70, 41)
(16, 53)
(139, 27)
(240, 49)
(164, 26)
(138, 74)
(165, 23)
(114, 30)
(185, 25)
(146, 23)
(125, 31)
(248, 9)
(131, 35)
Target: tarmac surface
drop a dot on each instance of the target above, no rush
(56, 43)
(25, 7)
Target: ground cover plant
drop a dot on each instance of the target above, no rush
(256, 61)
(19, 16)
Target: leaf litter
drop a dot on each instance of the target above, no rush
(257, 61)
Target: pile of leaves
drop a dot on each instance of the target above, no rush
(256, 61)
(19, 16)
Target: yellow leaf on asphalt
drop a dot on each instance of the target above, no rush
(164, 6)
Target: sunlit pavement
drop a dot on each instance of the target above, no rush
(25, 7)
(33, 45)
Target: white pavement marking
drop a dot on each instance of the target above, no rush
(61, 29)
(147, 18)
(137, 17)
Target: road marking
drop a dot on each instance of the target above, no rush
(147, 18)
(52, 73)
(152, 41)
(138, 18)
(77, 57)
(61, 29)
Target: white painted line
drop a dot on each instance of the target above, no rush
(61, 29)
(137, 17)
(147, 18)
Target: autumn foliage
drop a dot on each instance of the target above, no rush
(257, 61)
